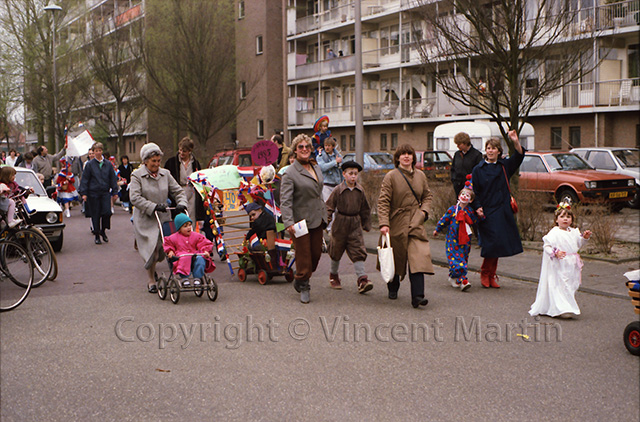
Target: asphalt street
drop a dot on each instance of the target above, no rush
(94, 345)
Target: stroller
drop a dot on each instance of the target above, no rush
(172, 285)
(275, 259)
(632, 331)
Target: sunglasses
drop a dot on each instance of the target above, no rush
(301, 147)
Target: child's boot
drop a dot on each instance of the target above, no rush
(15, 222)
(364, 285)
(464, 284)
(334, 281)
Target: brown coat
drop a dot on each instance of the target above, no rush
(350, 213)
(399, 210)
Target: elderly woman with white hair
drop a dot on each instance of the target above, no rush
(149, 190)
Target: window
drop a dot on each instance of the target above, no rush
(634, 62)
(601, 160)
(394, 140)
(429, 140)
(383, 141)
(259, 44)
(352, 142)
(574, 136)
(533, 164)
(260, 133)
(556, 137)
(343, 142)
(241, 9)
(243, 90)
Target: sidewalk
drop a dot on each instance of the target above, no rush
(598, 277)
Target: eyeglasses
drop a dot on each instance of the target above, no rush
(304, 147)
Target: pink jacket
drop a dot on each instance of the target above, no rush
(194, 243)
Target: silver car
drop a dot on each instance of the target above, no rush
(618, 160)
(48, 214)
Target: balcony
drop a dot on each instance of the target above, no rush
(298, 68)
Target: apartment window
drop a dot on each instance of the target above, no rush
(556, 137)
(574, 136)
(394, 140)
(352, 142)
(343, 142)
(383, 141)
(389, 39)
(259, 45)
(243, 90)
(634, 62)
(241, 9)
(260, 133)
(430, 140)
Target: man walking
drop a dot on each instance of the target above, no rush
(43, 163)
(464, 160)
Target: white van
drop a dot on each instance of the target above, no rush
(479, 131)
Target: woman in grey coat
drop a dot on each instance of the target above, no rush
(149, 190)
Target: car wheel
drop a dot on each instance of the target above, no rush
(635, 202)
(57, 245)
(567, 195)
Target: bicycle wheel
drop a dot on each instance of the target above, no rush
(41, 253)
(16, 266)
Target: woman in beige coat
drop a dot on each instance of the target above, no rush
(403, 207)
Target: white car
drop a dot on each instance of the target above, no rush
(618, 160)
(48, 214)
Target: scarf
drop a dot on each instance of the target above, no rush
(464, 229)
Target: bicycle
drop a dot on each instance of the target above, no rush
(16, 266)
(35, 242)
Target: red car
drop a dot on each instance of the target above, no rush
(566, 176)
(237, 157)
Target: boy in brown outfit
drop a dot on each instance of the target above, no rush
(352, 215)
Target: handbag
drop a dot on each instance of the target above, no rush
(514, 204)
(385, 257)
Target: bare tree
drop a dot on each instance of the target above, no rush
(187, 51)
(503, 57)
(113, 79)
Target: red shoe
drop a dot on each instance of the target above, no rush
(334, 281)
(364, 285)
(494, 282)
(485, 280)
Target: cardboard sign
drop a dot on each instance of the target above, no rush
(80, 145)
(230, 200)
(264, 153)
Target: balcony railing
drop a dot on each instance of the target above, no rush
(605, 94)
(325, 67)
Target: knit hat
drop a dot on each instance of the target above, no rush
(148, 149)
(318, 123)
(181, 220)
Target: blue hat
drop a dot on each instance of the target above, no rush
(181, 219)
(252, 206)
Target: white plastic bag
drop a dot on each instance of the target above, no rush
(385, 257)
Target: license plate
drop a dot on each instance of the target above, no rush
(618, 194)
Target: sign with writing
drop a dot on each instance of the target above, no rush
(221, 177)
(264, 153)
(230, 200)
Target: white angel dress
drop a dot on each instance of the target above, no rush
(559, 278)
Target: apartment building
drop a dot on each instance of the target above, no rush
(403, 105)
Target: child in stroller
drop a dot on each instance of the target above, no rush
(183, 246)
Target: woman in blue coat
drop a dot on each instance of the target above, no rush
(499, 235)
(97, 186)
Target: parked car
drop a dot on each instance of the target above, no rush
(617, 160)
(237, 157)
(373, 160)
(566, 176)
(48, 214)
(435, 164)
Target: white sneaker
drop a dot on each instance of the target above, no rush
(186, 283)
(15, 222)
(112, 210)
(196, 282)
(453, 282)
(465, 285)
(67, 213)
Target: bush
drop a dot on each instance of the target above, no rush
(533, 222)
(443, 197)
(602, 222)
(371, 182)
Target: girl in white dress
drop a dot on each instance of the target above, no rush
(561, 272)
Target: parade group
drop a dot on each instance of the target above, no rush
(310, 190)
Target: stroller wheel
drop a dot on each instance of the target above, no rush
(242, 275)
(263, 277)
(289, 275)
(212, 289)
(162, 288)
(199, 290)
(632, 338)
(174, 291)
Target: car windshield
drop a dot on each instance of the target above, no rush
(627, 157)
(27, 179)
(566, 162)
(382, 159)
(436, 157)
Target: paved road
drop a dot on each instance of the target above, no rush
(91, 346)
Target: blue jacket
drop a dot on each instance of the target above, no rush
(331, 171)
(98, 181)
(499, 236)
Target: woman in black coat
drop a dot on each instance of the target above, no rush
(125, 174)
(97, 187)
(499, 235)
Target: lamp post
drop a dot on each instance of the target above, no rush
(53, 8)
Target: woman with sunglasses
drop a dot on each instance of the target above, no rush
(301, 199)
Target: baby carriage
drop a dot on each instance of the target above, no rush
(269, 259)
(173, 285)
(632, 331)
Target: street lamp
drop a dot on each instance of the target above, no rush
(53, 8)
